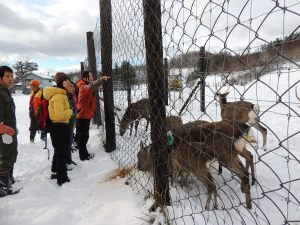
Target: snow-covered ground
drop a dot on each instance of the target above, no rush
(276, 196)
(89, 199)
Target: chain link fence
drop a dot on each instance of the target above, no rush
(247, 49)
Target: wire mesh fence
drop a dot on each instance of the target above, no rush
(216, 53)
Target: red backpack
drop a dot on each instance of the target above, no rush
(42, 116)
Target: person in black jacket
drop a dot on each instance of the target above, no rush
(8, 135)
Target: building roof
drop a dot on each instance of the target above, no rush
(42, 75)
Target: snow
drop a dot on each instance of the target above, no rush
(276, 196)
(91, 198)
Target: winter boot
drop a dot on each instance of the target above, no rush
(53, 176)
(5, 187)
(4, 183)
(11, 176)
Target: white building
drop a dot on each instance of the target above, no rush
(44, 79)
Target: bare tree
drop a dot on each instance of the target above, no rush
(23, 68)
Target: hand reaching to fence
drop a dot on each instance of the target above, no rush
(97, 83)
(105, 78)
(6, 130)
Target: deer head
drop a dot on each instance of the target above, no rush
(222, 97)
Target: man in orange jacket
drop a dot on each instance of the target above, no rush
(34, 103)
(86, 106)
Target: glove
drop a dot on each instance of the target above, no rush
(6, 130)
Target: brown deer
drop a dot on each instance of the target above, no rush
(192, 158)
(144, 156)
(241, 143)
(221, 138)
(133, 114)
(172, 122)
(242, 111)
(187, 158)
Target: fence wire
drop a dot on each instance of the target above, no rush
(252, 51)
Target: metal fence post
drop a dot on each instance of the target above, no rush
(93, 69)
(106, 62)
(156, 87)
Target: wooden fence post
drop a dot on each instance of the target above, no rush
(81, 67)
(106, 61)
(128, 79)
(202, 67)
(156, 90)
(166, 66)
(93, 70)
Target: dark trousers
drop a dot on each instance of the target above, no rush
(34, 129)
(69, 157)
(60, 136)
(82, 130)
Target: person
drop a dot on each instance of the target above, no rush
(86, 106)
(34, 102)
(8, 132)
(73, 101)
(59, 114)
(72, 98)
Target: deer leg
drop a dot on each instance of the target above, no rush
(148, 120)
(174, 166)
(203, 174)
(176, 170)
(136, 124)
(220, 168)
(249, 163)
(263, 131)
(131, 126)
(233, 164)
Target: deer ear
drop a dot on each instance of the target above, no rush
(141, 145)
(226, 93)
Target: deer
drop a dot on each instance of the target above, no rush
(144, 155)
(221, 139)
(133, 114)
(241, 145)
(187, 158)
(172, 122)
(241, 111)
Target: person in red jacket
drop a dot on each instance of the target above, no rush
(86, 108)
(34, 103)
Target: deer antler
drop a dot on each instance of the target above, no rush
(227, 89)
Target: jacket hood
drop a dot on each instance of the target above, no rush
(81, 82)
(51, 91)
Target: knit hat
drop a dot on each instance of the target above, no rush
(60, 77)
(34, 83)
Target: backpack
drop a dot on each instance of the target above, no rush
(42, 116)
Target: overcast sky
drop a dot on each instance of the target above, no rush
(53, 32)
(49, 32)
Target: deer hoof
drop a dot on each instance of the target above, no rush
(265, 148)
